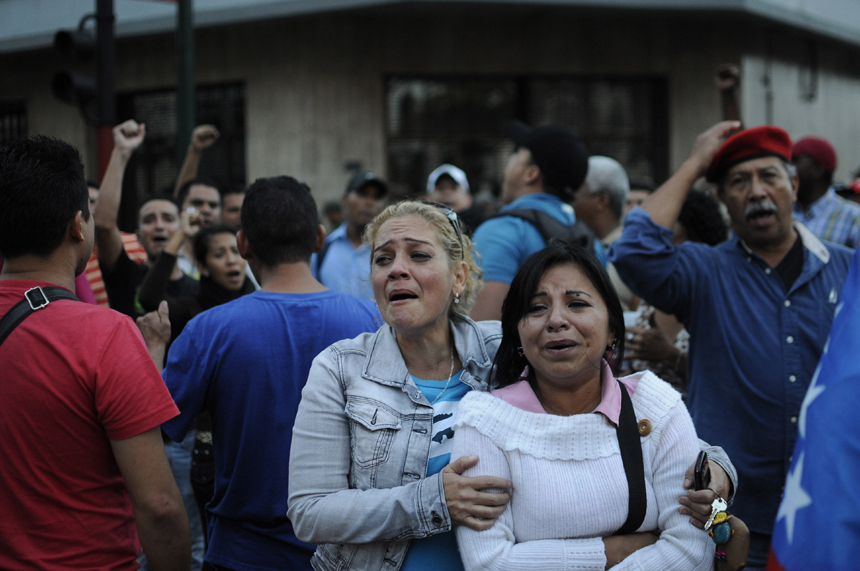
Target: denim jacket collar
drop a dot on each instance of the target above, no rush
(385, 365)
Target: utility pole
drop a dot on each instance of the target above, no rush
(186, 111)
(106, 81)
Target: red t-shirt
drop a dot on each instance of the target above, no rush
(73, 376)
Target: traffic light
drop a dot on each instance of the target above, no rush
(72, 86)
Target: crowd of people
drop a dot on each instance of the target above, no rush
(602, 374)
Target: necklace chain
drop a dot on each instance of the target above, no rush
(450, 374)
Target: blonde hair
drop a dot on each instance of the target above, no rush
(447, 238)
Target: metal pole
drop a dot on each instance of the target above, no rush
(185, 103)
(105, 80)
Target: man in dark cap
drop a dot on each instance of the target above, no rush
(827, 215)
(758, 306)
(344, 262)
(547, 166)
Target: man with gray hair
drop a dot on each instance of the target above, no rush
(599, 202)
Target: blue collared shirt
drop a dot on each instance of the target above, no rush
(505, 242)
(753, 347)
(345, 268)
(832, 218)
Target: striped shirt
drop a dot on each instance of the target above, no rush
(832, 218)
(94, 274)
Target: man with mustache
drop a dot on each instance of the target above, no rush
(758, 306)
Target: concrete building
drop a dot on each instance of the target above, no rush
(312, 88)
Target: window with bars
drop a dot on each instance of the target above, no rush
(431, 121)
(155, 166)
(13, 121)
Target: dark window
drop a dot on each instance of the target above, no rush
(13, 121)
(462, 121)
(155, 166)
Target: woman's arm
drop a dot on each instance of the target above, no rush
(322, 507)
(497, 547)
(681, 545)
(154, 287)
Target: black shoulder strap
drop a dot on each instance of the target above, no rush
(634, 467)
(552, 230)
(321, 256)
(34, 299)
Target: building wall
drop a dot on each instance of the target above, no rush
(834, 111)
(315, 85)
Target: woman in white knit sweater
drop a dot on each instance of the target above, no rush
(553, 434)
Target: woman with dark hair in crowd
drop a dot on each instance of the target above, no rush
(222, 273)
(372, 478)
(658, 341)
(556, 424)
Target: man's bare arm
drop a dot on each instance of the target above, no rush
(488, 306)
(202, 137)
(126, 138)
(727, 78)
(159, 513)
(665, 204)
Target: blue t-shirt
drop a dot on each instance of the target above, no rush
(438, 551)
(505, 242)
(246, 362)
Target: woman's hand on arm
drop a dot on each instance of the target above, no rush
(697, 503)
(468, 503)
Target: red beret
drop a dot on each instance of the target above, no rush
(820, 150)
(750, 144)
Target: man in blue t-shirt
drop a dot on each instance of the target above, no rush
(247, 361)
(546, 168)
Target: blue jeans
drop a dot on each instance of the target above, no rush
(759, 549)
(179, 456)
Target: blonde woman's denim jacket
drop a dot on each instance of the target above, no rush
(361, 444)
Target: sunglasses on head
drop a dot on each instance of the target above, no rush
(453, 219)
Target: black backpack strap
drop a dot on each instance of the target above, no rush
(321, 256)
(34, 299)
(552, 230)
(634, 467)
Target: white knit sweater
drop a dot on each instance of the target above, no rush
(570, 489)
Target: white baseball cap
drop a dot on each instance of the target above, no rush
(457, 174)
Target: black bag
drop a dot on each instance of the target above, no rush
(551, 230)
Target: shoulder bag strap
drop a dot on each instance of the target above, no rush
(634, 467)
(34, 299)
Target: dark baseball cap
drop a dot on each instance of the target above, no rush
(363, 178)
(557, 151)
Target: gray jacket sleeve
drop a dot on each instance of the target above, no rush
(322, 506)
(718, 455)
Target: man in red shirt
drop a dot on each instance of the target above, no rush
(85, 480)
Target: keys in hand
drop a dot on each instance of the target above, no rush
(717, 506)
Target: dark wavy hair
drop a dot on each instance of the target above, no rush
(42, 187)
(701, 218)
(280, 220)
(509, 364)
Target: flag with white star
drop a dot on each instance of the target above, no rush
(818, 523)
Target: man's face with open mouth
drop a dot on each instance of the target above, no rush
(759, 195)
(158, 220)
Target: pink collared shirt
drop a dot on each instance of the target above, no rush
(522, 396)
